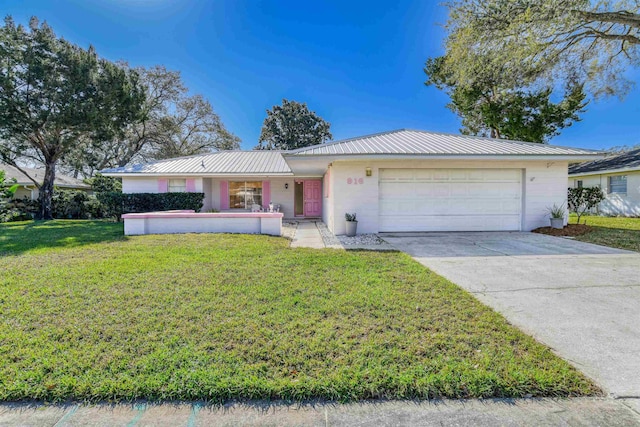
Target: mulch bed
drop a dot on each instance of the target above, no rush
(568, 231)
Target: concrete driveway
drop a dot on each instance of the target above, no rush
(580, 299)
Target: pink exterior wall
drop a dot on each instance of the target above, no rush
(266, 193)
(224, 195)
(163, 185)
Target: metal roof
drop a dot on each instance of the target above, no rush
(406, 141)
(257, 162)
(63, 181)
(628, 160)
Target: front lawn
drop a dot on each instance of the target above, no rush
(91, 315)
(617, 232)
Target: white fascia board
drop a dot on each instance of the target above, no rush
(194, 175)
(605, 172)
(510, 157)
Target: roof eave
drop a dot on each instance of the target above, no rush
(389, 156)
(192, 174)
(606, 171)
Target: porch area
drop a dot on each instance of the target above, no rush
(295, 198)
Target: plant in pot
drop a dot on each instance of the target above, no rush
(352, 224)
(557, 214)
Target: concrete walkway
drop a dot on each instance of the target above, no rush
(522, 412)
(307, 236)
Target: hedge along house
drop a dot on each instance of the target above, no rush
(404, 180)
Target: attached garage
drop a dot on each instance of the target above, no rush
(450, 199)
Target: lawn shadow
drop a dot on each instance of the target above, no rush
(20, 237)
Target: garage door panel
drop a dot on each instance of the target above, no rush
(451, 223)
(450, 199)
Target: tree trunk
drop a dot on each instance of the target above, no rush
(46, 191)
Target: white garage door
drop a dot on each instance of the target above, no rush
(450, 199)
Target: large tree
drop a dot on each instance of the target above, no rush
(173, 123)
(489, 107)
(53, 94)
(292, 125)
(544, 41)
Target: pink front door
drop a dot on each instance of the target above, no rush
(312, 198)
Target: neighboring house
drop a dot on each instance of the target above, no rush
(619, 178)
(404, 180)
(28, 188)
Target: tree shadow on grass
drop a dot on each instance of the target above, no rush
(20, 237)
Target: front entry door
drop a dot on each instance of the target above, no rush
(312, 198)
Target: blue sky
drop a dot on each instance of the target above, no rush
(358, 64)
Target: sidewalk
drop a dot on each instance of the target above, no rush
(504, 412)
(307, 235)
(315, 234)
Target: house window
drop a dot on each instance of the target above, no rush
(579, 183)
(618, 184)
(243, 195)
(177, 186)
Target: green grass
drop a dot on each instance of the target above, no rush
(93, 316)
(616, 232)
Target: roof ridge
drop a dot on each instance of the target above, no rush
(340, 141)
(512, 141)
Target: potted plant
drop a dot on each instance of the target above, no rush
(557, 214)
(352, 224)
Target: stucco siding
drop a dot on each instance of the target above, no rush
(544, 183)
(22, 192)
(615, 204)
(282, 196)
(207, 204)
(139, 185)
(327, 198)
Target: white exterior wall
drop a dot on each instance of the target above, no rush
(544, 183)
(327, 202)
(614, 204)
(136, 184)
(207, 204)
(139, 185)
(281, 196)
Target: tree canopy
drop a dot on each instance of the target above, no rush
(54, 94)
(492, 108)
(292, 125)
(544, 42)
(172, 123)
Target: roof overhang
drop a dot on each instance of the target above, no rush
(606, 172)
(318, 163)
(194, 175)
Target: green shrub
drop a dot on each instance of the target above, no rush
(104, 184)
(18, 209)
(76, 204)
(116, 203)
(581, 200)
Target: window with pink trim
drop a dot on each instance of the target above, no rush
(245, 194)
(177, 185)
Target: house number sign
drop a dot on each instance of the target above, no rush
(355, 181)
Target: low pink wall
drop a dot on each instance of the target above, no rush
(193, 214)
(194, 222)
